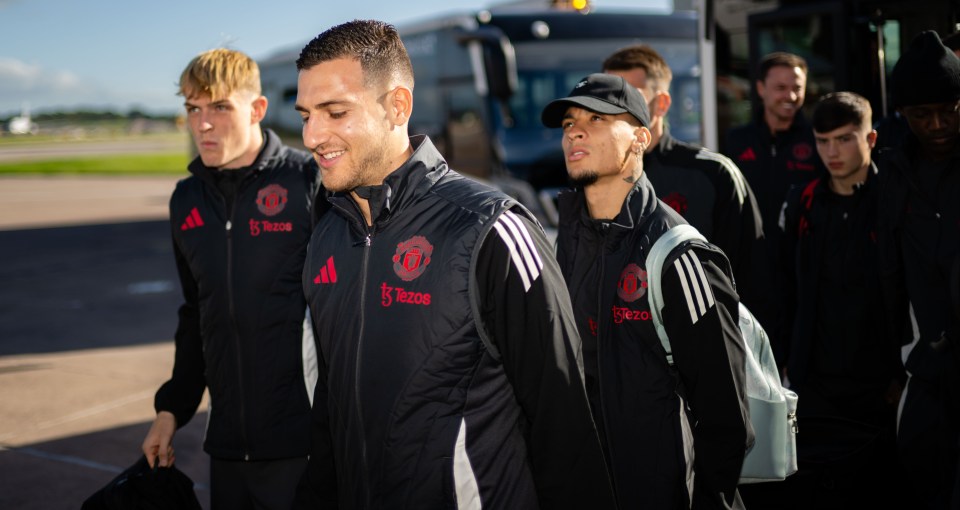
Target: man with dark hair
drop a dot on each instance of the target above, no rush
(918, 239)
(775, 151)
(704, 187)
(240, 227)
(451, 373)
(840, 359)
(675, 436)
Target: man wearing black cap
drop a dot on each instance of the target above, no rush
(919, 237)
(651, 417)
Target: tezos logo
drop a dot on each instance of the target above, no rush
(412, 258)
(633, 283)
(269, 226)
(272, 199)
(390, 295)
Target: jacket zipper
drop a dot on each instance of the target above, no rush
(367, 241)
(600, 314)
(236, 327)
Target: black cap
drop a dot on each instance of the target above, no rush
(600, 93)
(927, 73)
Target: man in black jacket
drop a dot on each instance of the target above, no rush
(919, 239)
(841, 360)
(775, 151)
(704, 187)
(675, 438)
(240, 226)
(450, 374)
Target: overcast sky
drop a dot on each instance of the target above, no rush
(67, 54)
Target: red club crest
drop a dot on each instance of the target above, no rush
(633, 283)
(272, 199)
(802, 151)
(677, 201)
(412, 258)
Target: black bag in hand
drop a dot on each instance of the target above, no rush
(142, 488)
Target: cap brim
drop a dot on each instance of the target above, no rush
(553, 113)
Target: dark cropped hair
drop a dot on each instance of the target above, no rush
(780, 58)
(838, 109)
(375, 44)
(643, 57)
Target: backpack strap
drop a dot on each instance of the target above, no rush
(659, 252)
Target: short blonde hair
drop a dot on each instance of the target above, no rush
(219, 73)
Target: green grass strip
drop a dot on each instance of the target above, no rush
(132, 164)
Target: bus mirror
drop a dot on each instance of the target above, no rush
(499, 60)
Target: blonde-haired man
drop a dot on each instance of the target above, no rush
(240, 225)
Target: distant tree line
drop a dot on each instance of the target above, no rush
(83, 116)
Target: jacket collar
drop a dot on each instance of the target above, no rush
(405, 185)
(640, 203)
(799, 125)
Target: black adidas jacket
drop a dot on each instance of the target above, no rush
(774, 163)
(240, 332)
(638, 400)
(810, 257)
(450, 374)
(771, 165)
(711, 193)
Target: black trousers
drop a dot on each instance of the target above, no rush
(254, 485)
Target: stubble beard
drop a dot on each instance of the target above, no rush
(364, 173)
(585, 178)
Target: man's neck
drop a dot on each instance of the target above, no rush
(777, 124)
(939, 153)
(605, 198)
(253, 150)
(845, 185)
(364, 206)
(656, 133)
(392, 164)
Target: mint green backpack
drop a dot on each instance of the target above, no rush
(773, 408)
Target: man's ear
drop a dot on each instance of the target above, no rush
(400, 105)
(761, 89)
(641, 139)
(872, 138)
(259, 109)
(660, 104)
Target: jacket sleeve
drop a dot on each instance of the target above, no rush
(787, 273)
(737, 226)
(892, 275)
(738, 231)
(526, 312)
(318, 484)
(181, 394)
(700, 316)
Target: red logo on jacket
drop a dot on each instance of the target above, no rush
(633, 283)
(272, 199)
(412, 258)
(802, 151)
(748, 155)
(677, 201)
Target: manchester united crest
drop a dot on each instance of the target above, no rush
(802, 151)
(633, 283)
(272, 199)
(677, 201)
(412, 258)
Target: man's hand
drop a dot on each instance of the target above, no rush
(158, 442)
